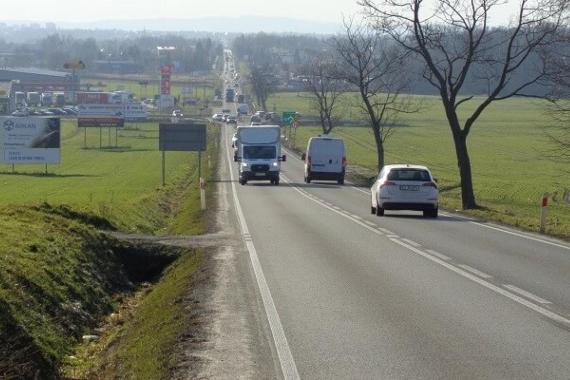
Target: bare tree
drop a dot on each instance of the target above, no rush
(376, 70)
(263, 83)
(326, 88)
(454, 41)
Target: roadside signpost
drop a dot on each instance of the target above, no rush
(293, 119)
(184, 137)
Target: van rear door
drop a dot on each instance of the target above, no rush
(326, 155)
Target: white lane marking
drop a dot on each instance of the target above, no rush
(475, 271)
(539, 309)
(437, 254)
(522, 235)
(413, 243)
(370, 223)
(393, 236)
(288, 366)
(333, 209)
(359, 189)
(386, 231)
(492, 227)
(462, 272)
(528, 295)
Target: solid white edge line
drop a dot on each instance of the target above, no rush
(522, 235)
(288, 366)
(476, 272)
(526, 294)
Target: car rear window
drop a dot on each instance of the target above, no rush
(408, 175)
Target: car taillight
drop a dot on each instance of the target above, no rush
(388, 183)
(344, 162)
(430, 184)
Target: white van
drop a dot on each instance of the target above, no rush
(325, 159)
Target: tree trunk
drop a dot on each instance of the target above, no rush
(379, 146)
(464, 164)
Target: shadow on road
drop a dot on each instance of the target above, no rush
(419, 216)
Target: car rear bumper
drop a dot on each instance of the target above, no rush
(416, 206)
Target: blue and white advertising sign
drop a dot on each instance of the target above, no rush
(30, 140)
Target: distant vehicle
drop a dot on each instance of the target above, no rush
(231, 119)
(21, 113)
(243, 109)
(230, 95)
(57, 111)
(226, 111)
(325, 159)
(405, 187)
(235, 145)
(177, 113)
(255, 119)
(218, 116)
(259, 153)
(254, 124)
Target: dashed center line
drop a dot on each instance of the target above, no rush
(412, 243)
(439, 255)
(528, 295)
(475, 271)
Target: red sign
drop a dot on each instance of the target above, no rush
(166, 70)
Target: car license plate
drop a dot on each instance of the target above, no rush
(259, 174)
(409, 187)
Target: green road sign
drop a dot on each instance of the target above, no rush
(288, 117)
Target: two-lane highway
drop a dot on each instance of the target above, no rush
(352, 295)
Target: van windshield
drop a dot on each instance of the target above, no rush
(261, 152)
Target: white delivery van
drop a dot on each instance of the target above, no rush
(325, 159)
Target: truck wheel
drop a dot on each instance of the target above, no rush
(379, 211)
(308, 179)
(242, 181)
(276, 182)
(372, 210)
(341, 181)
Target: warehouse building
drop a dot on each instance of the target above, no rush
(39, 80)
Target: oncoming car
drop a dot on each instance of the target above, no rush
(405, 187)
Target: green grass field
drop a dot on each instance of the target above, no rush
(510, 153)
(122, 184)
(61, 276)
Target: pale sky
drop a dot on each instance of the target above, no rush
(98, 10)
(73, 11)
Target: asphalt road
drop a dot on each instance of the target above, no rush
(351, 295)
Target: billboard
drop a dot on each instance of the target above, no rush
(182, 137)
(30, 140)
(100, 122)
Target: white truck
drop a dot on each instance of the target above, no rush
(259, 153)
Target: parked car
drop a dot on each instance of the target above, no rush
(325, 159)
(218, 116)
(405, 187)
(177, 113)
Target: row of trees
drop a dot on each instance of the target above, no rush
(449, 46)
(54, 50)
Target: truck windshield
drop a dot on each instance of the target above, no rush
(263, 152)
